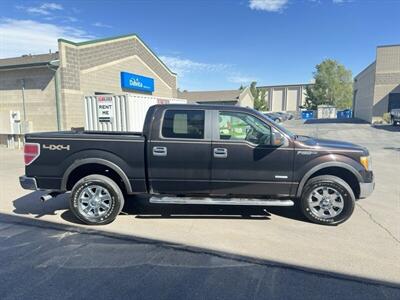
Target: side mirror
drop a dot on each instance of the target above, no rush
(277, 138)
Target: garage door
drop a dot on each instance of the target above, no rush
(277, 100)
(292, 96)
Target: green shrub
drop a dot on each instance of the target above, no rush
(387, 118)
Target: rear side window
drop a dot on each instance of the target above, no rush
(186, 124)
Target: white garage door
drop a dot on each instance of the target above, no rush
(292, 96)
(277, 100)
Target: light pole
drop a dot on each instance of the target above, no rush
(56, 64)
(23, 97)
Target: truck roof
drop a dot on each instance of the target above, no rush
(205, 106)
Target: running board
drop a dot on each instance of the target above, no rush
(220, 201)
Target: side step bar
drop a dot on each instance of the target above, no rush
(219, 201)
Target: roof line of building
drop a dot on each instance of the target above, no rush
(383, 46)
(284, 85)
(116, 38)
(363, 70)
(24, 65)
(208, 91)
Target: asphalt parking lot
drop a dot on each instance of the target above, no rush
(206, 252)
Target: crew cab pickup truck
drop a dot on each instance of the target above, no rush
(199, 154)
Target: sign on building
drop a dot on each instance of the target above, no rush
(137, 82)
(105, 109)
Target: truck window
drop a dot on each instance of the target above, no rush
(187, 124)
(243, 127)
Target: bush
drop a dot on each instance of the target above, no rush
(387, 118)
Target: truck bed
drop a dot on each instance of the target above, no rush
(60, 150)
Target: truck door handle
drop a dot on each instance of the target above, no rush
(159, 151)
(220, 152)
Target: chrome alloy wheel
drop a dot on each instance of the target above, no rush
(325, 202)
(94, 201)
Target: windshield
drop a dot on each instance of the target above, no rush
(280, 127)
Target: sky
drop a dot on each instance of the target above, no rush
(215, 44)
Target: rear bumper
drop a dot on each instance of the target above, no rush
(366, 189)
(28, 183)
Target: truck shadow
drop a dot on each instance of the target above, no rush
(140, 207)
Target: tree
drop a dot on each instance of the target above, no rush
(333, 86)
(259, 97)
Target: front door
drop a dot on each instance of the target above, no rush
(180, 153)
(244, 161)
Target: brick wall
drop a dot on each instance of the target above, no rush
(364, 93)
(387, 77)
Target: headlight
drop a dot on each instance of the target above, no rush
(366, 162)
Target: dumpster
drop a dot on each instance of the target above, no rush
(344, 114)
(120, 112)
(307, 114)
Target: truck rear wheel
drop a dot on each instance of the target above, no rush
(96, 200)
(327, 200)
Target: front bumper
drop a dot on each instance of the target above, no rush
(28, 183)
(366, 189)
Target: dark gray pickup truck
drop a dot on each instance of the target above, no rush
(199, 154)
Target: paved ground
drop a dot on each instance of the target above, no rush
(217, 251)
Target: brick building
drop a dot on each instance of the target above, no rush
(377, 87)
(47, 90)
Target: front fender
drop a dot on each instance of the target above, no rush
(326, 161)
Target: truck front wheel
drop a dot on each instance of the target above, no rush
(96, 200)
(327, 200)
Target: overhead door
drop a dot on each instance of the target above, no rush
(277, 99)
(394, 101)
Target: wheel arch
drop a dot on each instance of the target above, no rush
(342, 170)
(79, 164)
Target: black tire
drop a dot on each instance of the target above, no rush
(337, 184)
(116, 202)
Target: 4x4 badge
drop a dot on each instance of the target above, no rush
(56, 147)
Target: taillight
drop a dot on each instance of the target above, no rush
(31, 152)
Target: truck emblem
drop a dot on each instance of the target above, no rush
(56, 147)
(305, 152)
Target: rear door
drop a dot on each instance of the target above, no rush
(179, 152)
(244, 161)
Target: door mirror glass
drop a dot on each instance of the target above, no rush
(277, 138)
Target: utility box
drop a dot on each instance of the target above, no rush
(326, 112)
(120, 112)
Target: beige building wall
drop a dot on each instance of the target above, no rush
(92, 67)
(387, 78)
(285, 97)
(364, 93)
(246, 99)
(39, 95)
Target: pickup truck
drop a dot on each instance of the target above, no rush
(199, 154)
